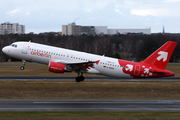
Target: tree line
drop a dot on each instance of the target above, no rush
(129, 47)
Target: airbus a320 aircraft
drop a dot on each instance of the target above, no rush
(61, 60)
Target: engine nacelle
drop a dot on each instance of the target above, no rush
(58, 67)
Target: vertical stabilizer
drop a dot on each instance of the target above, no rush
(160, 57)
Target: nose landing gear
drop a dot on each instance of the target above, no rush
(22, 67)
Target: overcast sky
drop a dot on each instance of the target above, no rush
(49, 15)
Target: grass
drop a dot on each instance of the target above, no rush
(89, 90)
(90, 115)
(174, 67)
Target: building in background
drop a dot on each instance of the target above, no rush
(11, 28)
(129, 31)
(101, 30)
(163, 30)
(73, 29)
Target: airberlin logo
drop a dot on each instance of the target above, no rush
(40, 54)
(163, 55)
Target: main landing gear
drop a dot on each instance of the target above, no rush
(22, 67)
(80, 78)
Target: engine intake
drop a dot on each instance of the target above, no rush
(58, 67)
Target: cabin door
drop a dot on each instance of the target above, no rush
(24, 49)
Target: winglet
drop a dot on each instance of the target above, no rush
(161, 57)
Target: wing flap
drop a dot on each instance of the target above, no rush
(75, 63)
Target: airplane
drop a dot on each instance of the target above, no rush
(60, 60)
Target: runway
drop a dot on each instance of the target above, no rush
(88, 79)
(89, 105)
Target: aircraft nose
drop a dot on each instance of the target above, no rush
(5, 50)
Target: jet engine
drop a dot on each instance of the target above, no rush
(58, 67)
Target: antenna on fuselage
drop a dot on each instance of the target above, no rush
(30, 41)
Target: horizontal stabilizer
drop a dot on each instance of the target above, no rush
(159, 72)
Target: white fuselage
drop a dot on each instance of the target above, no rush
(44, 54)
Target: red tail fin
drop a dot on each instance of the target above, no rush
(160, 57)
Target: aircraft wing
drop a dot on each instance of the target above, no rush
(86, 66)
(72, 63)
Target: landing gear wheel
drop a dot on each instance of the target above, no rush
(82, 78)
(79, 78)
(22, 67)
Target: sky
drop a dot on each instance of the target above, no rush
(49, 15)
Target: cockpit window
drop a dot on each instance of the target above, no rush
(14, 45)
